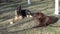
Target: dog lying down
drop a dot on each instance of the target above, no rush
(44, 20)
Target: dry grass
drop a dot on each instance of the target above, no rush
(18, 27)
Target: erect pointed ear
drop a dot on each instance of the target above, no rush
(19, 7)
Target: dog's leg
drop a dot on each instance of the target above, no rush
(46, 21)
(17, 18)
(13, 20)
(20, 17)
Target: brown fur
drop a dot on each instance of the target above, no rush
(43, 19)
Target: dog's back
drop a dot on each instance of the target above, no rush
(45, 20)
(53, 18)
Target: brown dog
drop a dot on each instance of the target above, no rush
(43, 19)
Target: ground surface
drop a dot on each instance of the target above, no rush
(25, 26)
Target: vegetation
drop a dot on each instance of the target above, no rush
(23, 26)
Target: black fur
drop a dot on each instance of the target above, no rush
(23, 12)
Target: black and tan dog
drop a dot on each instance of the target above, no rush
(20, 14)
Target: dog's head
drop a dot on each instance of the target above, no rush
(28, 13)
(39, 15)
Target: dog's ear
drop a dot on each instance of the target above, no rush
(19, 7)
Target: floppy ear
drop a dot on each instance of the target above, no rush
(42, 14)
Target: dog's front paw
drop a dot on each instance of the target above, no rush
(29, 16)
(20, 17)
(11, 22)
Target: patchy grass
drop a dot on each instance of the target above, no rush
(22, 27)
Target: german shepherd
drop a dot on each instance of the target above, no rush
(21, 13)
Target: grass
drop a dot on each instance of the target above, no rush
(23, 26)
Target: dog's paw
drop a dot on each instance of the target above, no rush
(29, 16)
(20, 17)
(11, 22)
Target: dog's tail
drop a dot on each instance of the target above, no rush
(56, 19)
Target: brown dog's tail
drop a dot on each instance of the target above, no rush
(54, 19)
